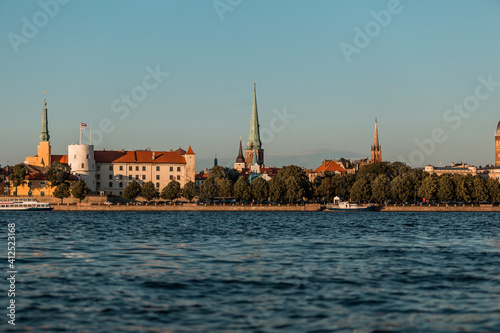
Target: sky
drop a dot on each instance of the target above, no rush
(169, 74)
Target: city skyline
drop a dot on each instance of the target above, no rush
(320, 83)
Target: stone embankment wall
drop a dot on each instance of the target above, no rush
(441, 208)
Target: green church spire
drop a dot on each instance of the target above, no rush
(44, 134)
(254, 135)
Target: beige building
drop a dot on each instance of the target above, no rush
(454, 168)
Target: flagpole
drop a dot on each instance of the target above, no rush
(80, 133)
(90, 134)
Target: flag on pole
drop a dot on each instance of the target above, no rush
(83, 126)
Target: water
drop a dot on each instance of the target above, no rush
(254, 272)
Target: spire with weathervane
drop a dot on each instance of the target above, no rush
(253, 143)
(376, 149)
(44, 134)
(44, 156)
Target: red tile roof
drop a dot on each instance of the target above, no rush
(190, 151)
(138, 156)
(59, 158)
(330, 166)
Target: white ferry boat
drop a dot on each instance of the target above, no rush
(23, 204)
(339, 205)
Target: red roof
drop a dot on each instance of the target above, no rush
(138, 156)
(59, 158)
(190, 151)
(330, 166)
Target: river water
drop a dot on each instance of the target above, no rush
(254, 272)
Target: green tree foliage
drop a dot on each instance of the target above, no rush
(149, 192)
(493, 189)
(277, 189)
(224, 187)
(361, 190)
(326, 188)
(372, 170)
(132, 191)
(80, 190)
(58, 173)
(18, 174)
(260, 189)
(381, 188)
(479, 190)
(429, 188)
(232, 174)
(400, 188)
(208, 190)
(296, 183)
(217, 172)
(62, 191)
(462, 187)
(446, 191)
(189, 191)
(242, 190)
(172, 191)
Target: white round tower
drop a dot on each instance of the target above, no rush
(82, 163)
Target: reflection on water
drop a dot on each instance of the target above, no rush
(256, 272)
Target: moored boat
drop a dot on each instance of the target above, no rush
(11, 204)
(339, 205)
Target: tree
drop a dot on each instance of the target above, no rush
(217, 172)
(58, 173)
(361, 190)
(493, 189)
(149, 192)
(381, 188)
(326, 188)
(295, 177)
(80, 190)
(242, 190)
(445, 188)
(132, 191)
(429, 187)
(260, 189)
(189, 190)
(62, 191)
(277, 189)
(225, 187)
(462, 188)
(172, 191)
(400, 188)
(208, 190)
(479, 190)
(18, 174)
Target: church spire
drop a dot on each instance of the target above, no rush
(254, 135)
(44, 134)
(376, 149)
(375, 135)
(240, 158)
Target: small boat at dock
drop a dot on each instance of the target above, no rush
(12, 204)
(339, 205)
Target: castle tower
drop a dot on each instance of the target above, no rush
(497, 145)
(376, 149)
(240, 160)
(43, 157)
(190, 165)
(82, 163)
(253, 143)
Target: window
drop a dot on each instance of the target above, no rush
(121, 176)
(42, 184)
(171, 168)
(178, 177)
(98, 184)
(157, 168)
(98, 168)
(121, 167)
(83, 165)
(171, 177)
(74, 157)
(30, 184)
(136, 168)
(87, 156)
(110, 176)
(42, 193)
(110, 168)
(143, 168)
(136, 176)
(120, 184)
(98, 176)
(110, 184)
(129, 168)
(157, 177)
(178, 168)
(129, 177)
(157, 184)
(143, 177)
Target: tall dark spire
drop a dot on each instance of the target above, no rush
(254, 135)
(44, 134)
(240, 158)
(376, 149)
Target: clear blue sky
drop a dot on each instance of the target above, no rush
(416, 67)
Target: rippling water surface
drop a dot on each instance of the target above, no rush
(254, 272)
